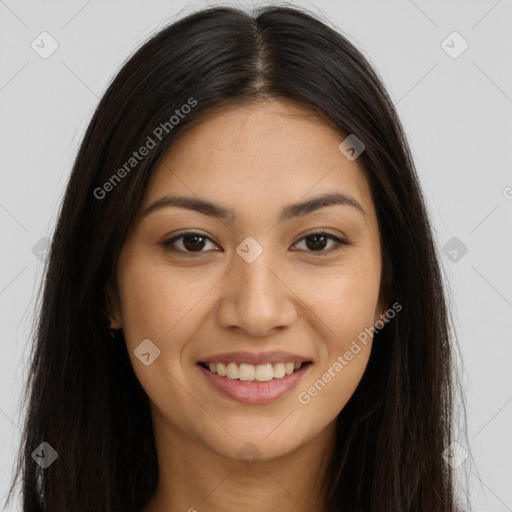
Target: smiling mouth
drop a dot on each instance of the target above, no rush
(254, 373)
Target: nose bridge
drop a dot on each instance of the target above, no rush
(257, 300)
(252, 265)
(256, 281)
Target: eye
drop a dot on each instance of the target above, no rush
(194, 243)
(319, 240)
(191, 242)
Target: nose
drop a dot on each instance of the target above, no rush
(256, 299)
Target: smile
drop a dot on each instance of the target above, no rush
(250, 372)
(251, 384)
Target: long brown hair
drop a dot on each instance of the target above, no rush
(83, 397)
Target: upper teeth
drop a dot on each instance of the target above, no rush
(262, 372)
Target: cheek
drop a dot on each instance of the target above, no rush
(344, 298)
(144, 300)
(345, 345)
(158, 305)
(346, 306)
(327, 392)
(156, 301)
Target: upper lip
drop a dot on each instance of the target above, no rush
(255, 358)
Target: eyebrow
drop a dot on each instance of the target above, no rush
(288, 212)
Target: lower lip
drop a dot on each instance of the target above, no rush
(252, 393)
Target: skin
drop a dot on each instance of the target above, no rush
(254, 160)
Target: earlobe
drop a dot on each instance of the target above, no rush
(385, 297)
(383, 307)
(380, 314)
(112, 306)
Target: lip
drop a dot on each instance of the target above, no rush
(253, 393)
(255, 359)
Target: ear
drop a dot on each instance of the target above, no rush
(112, 305)
(385, 292)
(380, 311)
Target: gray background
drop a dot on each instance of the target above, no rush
(457, 114)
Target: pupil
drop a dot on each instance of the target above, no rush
(315, 243)
(195, 244)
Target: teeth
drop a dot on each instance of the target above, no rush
(288, 368)
(249, 372)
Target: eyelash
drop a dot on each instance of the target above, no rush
(168, 244)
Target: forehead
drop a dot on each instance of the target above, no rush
(258, 156)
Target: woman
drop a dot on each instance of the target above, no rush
(243, 306)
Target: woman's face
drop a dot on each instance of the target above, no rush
(253, 281)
